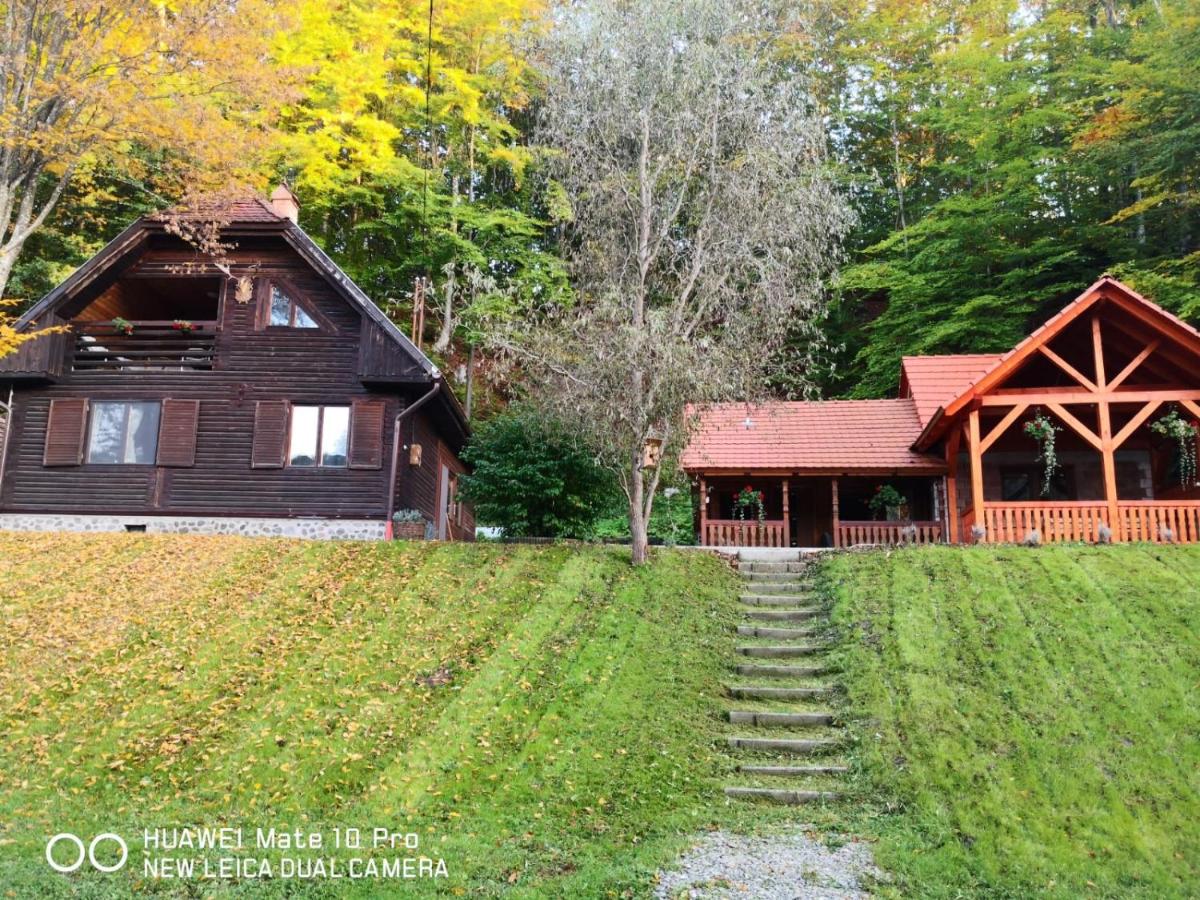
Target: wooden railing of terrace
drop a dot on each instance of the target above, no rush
(738, 533)
(1160, 521)
(1157, 521)
(1054, 522)
(889, 534)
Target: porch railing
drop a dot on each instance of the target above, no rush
(1010, 523)
(890, 534)
(101, 346)
(1157, 521)
(737, 533)
(1160, 520)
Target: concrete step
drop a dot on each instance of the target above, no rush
(778, 795)
(795, 568)
(771, 587)
(777, 652)
(757, 577)
(763, 692)
(793, 771)
(763, 632)
(796, 746)
(782, 615)
(775, 554)
(779, 719)
(764, 671)
(793, 600)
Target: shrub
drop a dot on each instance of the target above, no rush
(533, 479)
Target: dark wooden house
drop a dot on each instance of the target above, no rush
(264, 394)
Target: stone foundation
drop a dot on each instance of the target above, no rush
(314, 529)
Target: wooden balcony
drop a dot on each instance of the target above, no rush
(152, 346)
(1137, 520)
(738, 533)
(887, 534)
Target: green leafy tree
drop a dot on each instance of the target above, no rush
(533, 479)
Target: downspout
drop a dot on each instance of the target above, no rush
(8, 408)
(404, 414)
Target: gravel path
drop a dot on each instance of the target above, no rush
(790, 866)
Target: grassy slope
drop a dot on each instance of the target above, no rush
(1030, 718)
(164, 681)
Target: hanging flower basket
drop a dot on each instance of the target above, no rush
(1043, 430)
(183, 326)
(1178, 429)
(750, 499)
(122, 326)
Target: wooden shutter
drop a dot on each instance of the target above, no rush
(270, 434)
(177, 433)
(366, 434)
(64, 433)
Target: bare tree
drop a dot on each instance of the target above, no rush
(705, 219)
(90, 84)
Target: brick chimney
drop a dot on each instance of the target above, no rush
(284, 203)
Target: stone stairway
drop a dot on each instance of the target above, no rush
(781, 725)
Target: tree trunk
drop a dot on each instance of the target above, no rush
(639, 540)
(8, 259)
(446, 334)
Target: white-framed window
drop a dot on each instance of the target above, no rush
(285, 312)
(319, 437)
(123, 433)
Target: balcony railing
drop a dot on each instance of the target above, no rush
(148, 346)
(887, 534)
(738, 533)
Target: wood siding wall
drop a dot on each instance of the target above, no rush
(298, 365)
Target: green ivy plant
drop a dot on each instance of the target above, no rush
(1043, 430)
(1178, 429)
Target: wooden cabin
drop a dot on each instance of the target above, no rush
(265, 394)
(954, 445)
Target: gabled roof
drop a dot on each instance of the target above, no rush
(867, 436)
(247, 215)
(1105, 288)
(934, 380)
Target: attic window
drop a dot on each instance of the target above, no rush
(285, 312)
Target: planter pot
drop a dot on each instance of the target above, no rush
(408, 531)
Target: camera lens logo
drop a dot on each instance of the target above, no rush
(89, 853)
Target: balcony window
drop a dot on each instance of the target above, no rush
(320, 437)
(123, 433)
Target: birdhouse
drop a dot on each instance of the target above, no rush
(414, 455)
(651, 453)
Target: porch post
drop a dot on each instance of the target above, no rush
(952, 486)
(1107, 446)
(703, 512)
(787, 530)
(976, 453)
(837, 535)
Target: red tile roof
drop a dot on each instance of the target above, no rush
(832, 435)
(933, 381)
(236, 209)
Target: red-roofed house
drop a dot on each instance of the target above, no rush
(1103, 370)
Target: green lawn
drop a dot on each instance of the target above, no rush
(547, 718)
(1028, 720)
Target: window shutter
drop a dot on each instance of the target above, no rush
(366, 434)
(64, 433)
(270, 434)
(177, 433)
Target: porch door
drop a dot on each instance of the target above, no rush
(811, 511)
